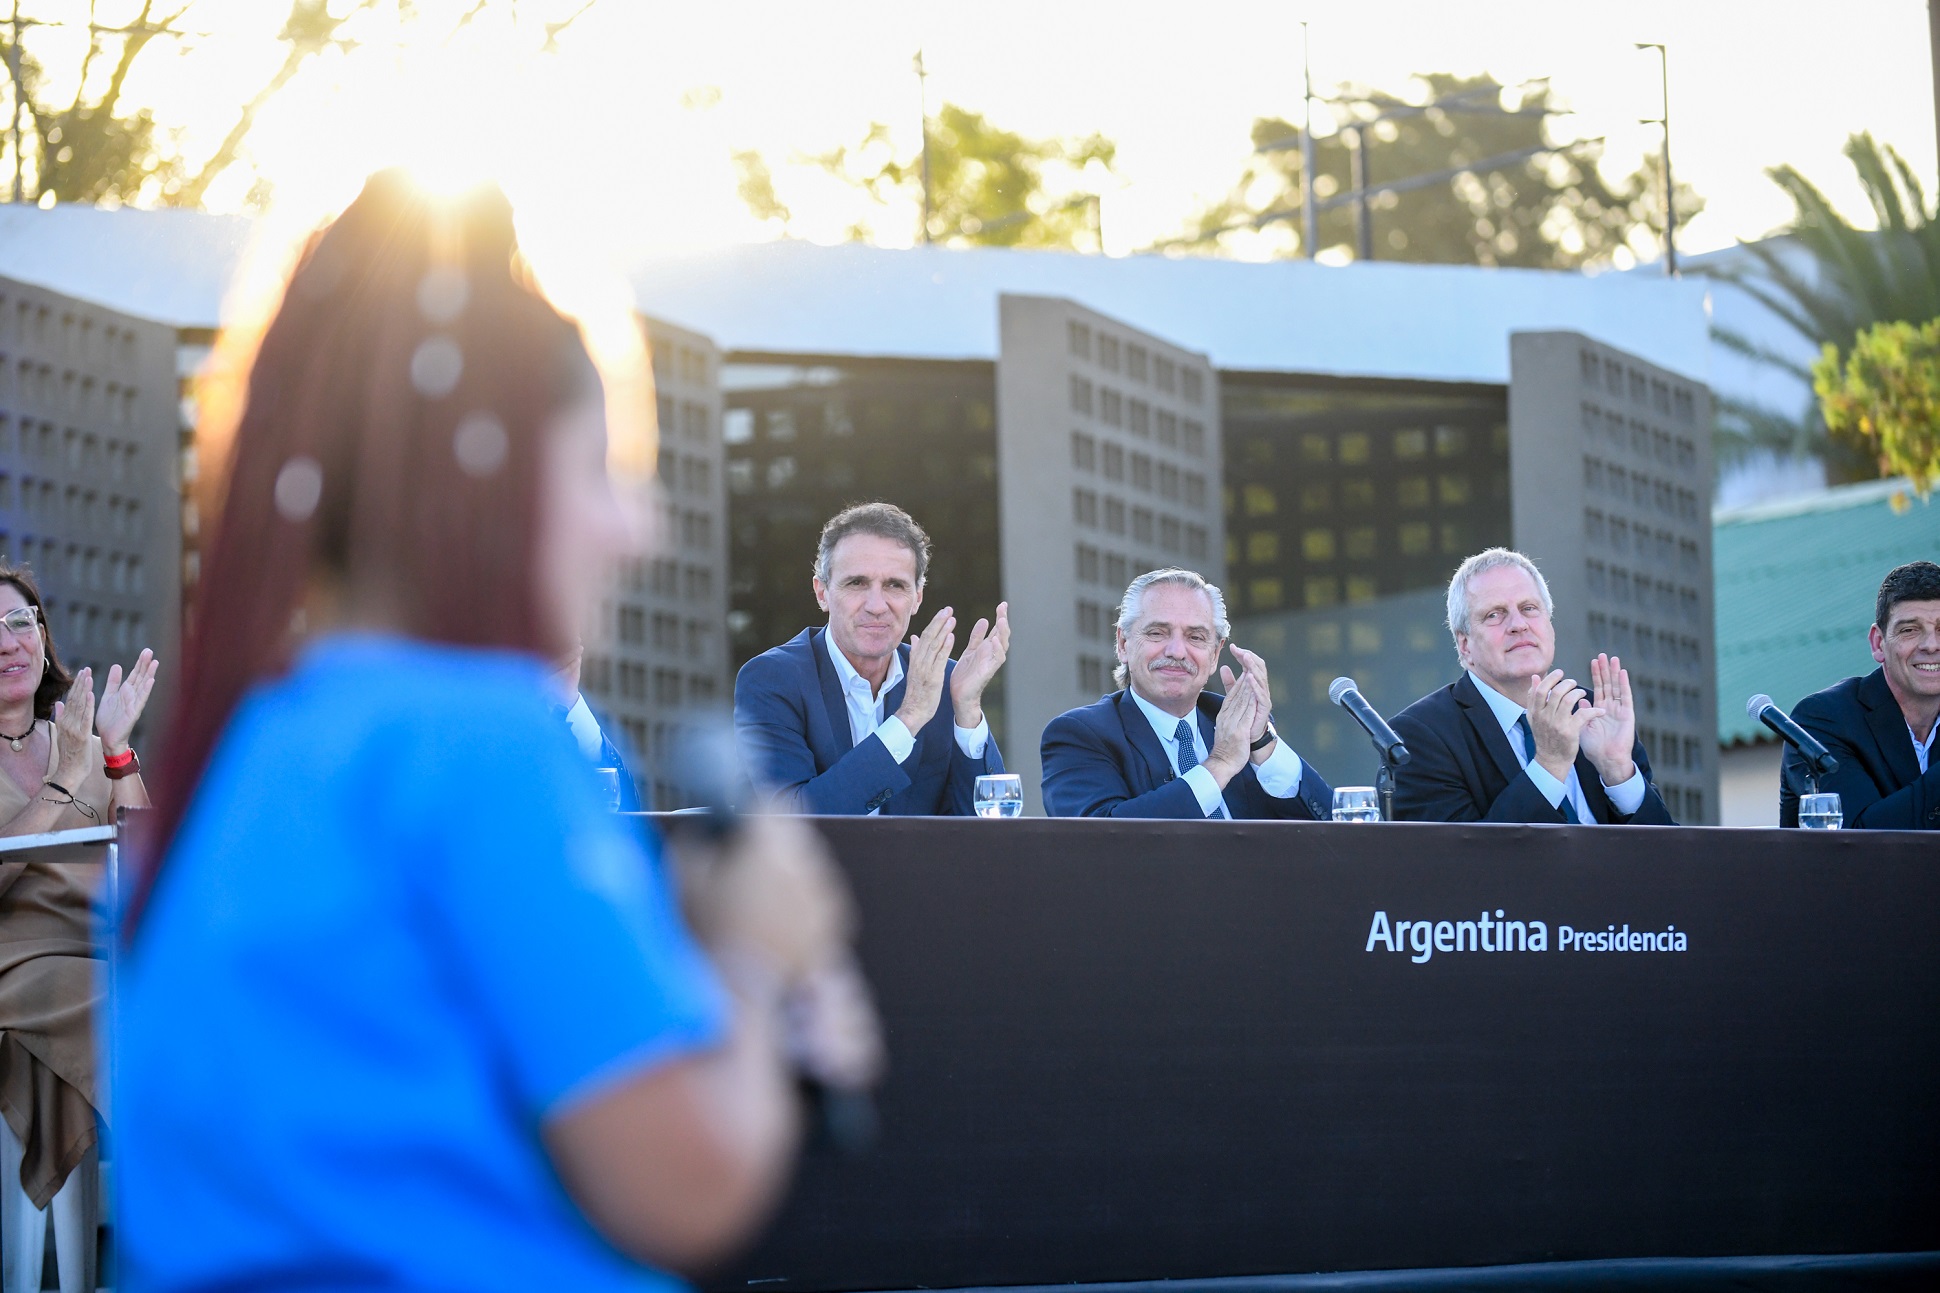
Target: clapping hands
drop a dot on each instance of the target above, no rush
(929, 656)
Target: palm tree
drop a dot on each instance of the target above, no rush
(1846, 280)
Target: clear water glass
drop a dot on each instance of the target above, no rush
(1820, 813)
(608, 780)
(1356, 804)
(1000, 794)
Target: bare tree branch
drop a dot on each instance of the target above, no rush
(309, 29)
(87, 60)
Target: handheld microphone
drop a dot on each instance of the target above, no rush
(705, 757)
(1343, 692)
(1818, 760)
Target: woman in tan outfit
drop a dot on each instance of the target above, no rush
(66, 764)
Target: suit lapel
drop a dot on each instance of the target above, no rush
(1482, 719)
(893, 700)
(1888, 726)
(831, 684)
(1139, 734)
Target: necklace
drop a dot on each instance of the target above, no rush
(16, 740)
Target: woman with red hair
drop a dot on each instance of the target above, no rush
(398, 1005)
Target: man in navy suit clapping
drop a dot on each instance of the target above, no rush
(1165, 746)
(850, 719)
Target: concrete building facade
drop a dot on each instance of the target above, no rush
(1108, 463)
(90, 499)
(657, 659)
(1610, 481)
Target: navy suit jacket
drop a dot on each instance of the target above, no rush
(791, 722)
(1460, 769)
(1104, 760)
(1879, 782)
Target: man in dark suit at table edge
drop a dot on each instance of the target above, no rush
(849, 718)
(1164, 746)
(1880, 725)
(1513, 740)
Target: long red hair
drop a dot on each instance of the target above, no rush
(364, 454)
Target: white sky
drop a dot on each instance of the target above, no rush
(630, 124)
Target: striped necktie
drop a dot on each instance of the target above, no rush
(1529, 756)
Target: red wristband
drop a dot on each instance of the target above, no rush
(121, 760)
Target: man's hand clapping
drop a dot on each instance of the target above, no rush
(983, 655)
(929, 652)
(1610, 738)
(1234, 730)
(1557, 718)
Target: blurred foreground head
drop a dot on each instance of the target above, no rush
(419, 448)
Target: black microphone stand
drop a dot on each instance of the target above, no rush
(1384, 784)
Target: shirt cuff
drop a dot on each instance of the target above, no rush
(972, 740)
(896, 738)
(1628, 797)
(1552, 789)
(1280, 771)
(1205, 788)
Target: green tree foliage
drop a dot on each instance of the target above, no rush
(989, 186)
(1848, 280)
(94, 147)
(1528, 202)
(1885, 397)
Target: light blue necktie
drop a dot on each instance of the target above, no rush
(1188, 756)
(1529, 754)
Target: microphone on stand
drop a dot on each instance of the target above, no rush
(1818, 759)
(1344, 692)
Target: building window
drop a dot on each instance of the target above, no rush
(1087, 563)
(1084, 506)
(1195, 489)
(1140, 419)
(1111, 406)
(1164, 373)
(1115, 515)
(1084, 451)
(1168, 481)
(1080, 339)
(1414, 539)
(1263, 547)
(1265, 594)
(1195, 440)
(1091, 675)
(1192, 385)
(1080, 396)
(1141, 471)
(1135, 362)
(1169, 535)
(1142, 524)
(1168, 427)
(1108, 352)
(1198, 542)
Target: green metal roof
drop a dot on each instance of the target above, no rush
(1795, 588)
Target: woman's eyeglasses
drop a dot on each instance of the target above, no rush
(20, 621)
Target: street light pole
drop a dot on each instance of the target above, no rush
(1670, 190)
(923, 105)
(1309, 155)
(13, 69)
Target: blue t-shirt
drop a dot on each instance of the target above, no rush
(396, 932)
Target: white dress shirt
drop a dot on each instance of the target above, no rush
(1922, 750)
(1626, 798)
(866, 717)
(585, 728)
(1279, 773)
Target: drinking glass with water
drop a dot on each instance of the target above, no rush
(1820, 813)
(1356, 804)
(1000, 794)
(608, 780)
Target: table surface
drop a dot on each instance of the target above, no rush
(1134, 1051)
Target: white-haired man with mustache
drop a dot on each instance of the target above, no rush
(1164, 746)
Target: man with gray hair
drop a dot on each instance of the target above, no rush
(850, 718)
(1513, 740)
(1164, 746)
